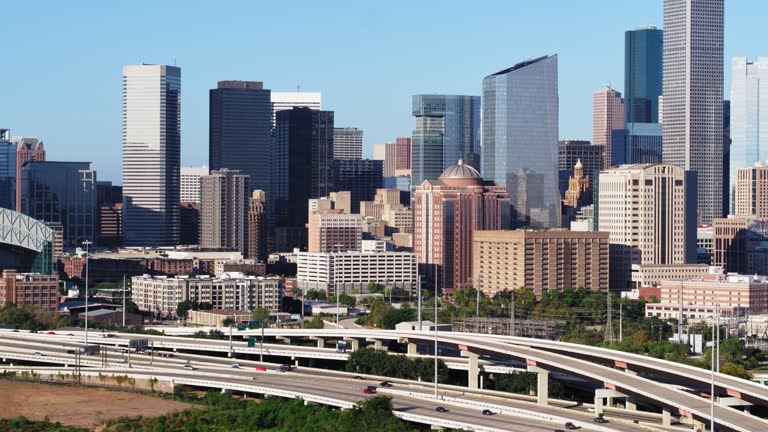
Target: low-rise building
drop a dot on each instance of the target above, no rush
(652, 275)
(33, 289)
(245, 266)
(217, 317)
(348, 271)
(229, 291)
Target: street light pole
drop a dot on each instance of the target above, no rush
(436, 283)
(87, 245)
(512, 315)
(418, 286)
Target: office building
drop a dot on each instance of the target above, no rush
(751, 191)
(282, 101)
(230, 291)
(727, 184)
(302, 161)
(361, 177)
(572, 151)
(239, 130)
(7, 171)
(27, 149)
(749, 115)
(334, 231)
(578, 195)
(341, 201)
(347, 143)
(643, 57)
(189, 215)
(540, 260)
(29, 289)
(650, 213)
(190, 183)
(224, 196)
(109, 218)
(520, 139)
(693, 96)
(652, 275)
(257, 226)
(637, 143)
(705, 244)
(447, 212)
(447, 129)
(151, 154)
(64, 194)
(607, 116)
(740, 244)
(344, 272)
(387, 154)
(403, 156)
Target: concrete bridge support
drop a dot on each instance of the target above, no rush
(412, 349)
(666, 416)
(473, 371)
(377, 344)
(352, 343)
(542, 385)
(320, 341)
(699, 426)
(285, 339)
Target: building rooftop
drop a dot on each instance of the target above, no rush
(460, 171)
(521, 65)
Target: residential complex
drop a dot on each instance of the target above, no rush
(224, 196)
(342, 272)
(31, 289)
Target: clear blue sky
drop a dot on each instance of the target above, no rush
(61, 72)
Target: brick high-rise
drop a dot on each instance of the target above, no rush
(607, 115)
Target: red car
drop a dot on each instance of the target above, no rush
(569, 426)
(53, 333)
(261, 369)
(367, 391)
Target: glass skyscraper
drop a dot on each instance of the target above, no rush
(61, 193)
(749, 114)
(643, 57)
(361, 177)
(151, 154)
(7, 170)
(639, 143)
(447, 129)
(239, 130)
(520, 139)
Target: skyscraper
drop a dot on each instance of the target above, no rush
(447, 129)
(638, 143)
(109, 214)
(607, 116)
(190, 183)
(347, 143)
(224, 198)
(387, 154)
(359, 176)
(7, 170)
(63, 194)
(282, 101)
(403, 156)
(749, 115)
(257, 235)
(27, 149)
(520, 133)
(643, 57)
(750, 191)
(239, 130)
(693, 96)
(151, 154)
(572, 151)
(302, 159)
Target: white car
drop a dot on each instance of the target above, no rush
(235, 366)
(37, 354)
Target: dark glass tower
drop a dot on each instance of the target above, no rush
(7, 170)
(302, 168)
(643, 57)
(361, 177)
(239, 134)
(61, 193)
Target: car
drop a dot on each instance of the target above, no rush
(261, 369)
(385, 384)
(53, 333)
(71, 351)
(487, 412)
(37, 354)
(599, 420)
(569, 426)
(189, 367)
(357, 377)
(286, 366)
(441, 409)
(368, 391)
(283, 368)
(122, 350)
(235, 366)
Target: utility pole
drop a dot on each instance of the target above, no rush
(512, 331)
(418, 282)
(609, 323)
(436, 283)
(680, 316)
(477, 301)
(123, 300)
(621, 321)
(87, 245)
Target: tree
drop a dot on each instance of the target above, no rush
(183, 308)
(735, 370)
(373, 287)
(131, 307)
(315, 323)
(261, 315)
(204, 306)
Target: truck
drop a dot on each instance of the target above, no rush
(91, 350)
(139, 344)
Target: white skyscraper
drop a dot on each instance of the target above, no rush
(190, 183)
(749, 114)
(151, 154)
(693, 96)
(287, 100)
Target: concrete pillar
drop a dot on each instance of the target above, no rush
(320, 341)
(698, 426)
(598, 405)
(631, 404)
(353, 344)
(285, 339)
(666, 417)
(472, 369)
(482, 381)
(609, 401)
(412, 349)
(376, 343)
(630, 372)
(542, 385)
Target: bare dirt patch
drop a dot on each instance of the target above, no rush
(78, 406)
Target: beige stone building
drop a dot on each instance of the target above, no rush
(652, 275)
(751, 191)
(224, 197)
(540, 260)
(334, 231)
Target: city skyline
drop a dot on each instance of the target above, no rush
(59, 114)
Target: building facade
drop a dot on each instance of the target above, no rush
(151, 154)
(190, 183)
(520, 139)
(257, 226)
(334, 231)
(387, 154)
(30, 289)
(572, 151)
(693, 96)
(224, 196)
(361, 177)
(740, 244)
(643, 67)
(447, 212)
(650, 213)
(403, 156)
(638, 143)
(343, 272)
(7, 170)
(607, 116)
(347, 143)
(282, 101)
(750, 193)
(540, 260)
(653, 274)
(27, 149)
(109, 217)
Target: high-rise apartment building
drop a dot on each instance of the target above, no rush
(643, 57)
(520, 139)
(282, 101)
(63, 194)
(540, 260)
(347, 143)
(257, 226)
(151, 154)
(638, 143)
(447, 212)
(239, 130)
(693, 96)
(650, 213)
(224, 198)
(447, 129)
(334, 231)
(190, 183)
(27, 149)
(7, 170)
(749, 115)
(302, 161)
(361, 177)
(607, 116)
(751, 191)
